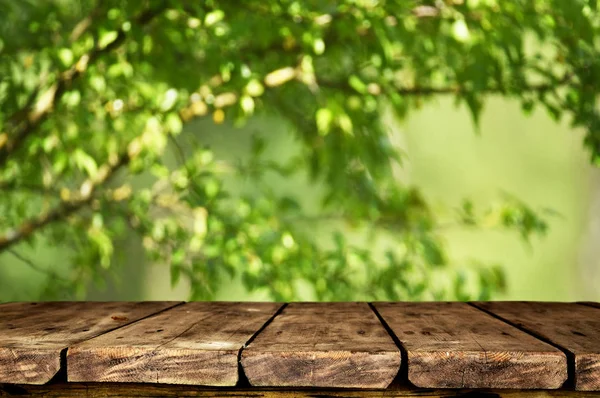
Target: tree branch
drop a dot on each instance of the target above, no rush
(26, 120)
(27, 187)
(34, 266)
(428, 91)
(26, 229)
(82, 26)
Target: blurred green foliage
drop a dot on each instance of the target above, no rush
(92, 93)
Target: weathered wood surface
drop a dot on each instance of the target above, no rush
(33, 335)
(573, 327)
(195, 343)
(96, 390)
(323, 345)
(453, 345)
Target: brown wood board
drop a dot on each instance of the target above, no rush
(590, 303)
(323, 345)
(453, 345)
(33, 335)
(573, 327)
(196, 343)
(96, 390)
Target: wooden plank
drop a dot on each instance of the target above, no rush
(196, 343)
(573, 327)
(590, 303)
(96, 390)
(453, 345)
(323, 345)
(33, 335)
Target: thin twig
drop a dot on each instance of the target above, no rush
(82, 26)
(179, 153)
(34, 266)
(63, 210)
(20, 186)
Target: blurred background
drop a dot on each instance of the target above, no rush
(534, 158)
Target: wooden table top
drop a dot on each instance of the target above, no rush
(272, 349)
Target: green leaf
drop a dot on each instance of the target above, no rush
(357, 84)
(324, 118)
(460, 31)
(85, 162)
(475, 106)
(214, 17)
(106, 38)
(258, 145)
(174, 123)
(254, 88)
(104, 245)
(66, 56)
(527, 106)
(175, 275)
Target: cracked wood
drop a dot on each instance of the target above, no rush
(33, 335)
(323, 345)
(196, 343)
(453, 345)
(573, 327)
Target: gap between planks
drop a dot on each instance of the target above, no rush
(570, 382)
(453, 345)
(242, 378)
(198, 343)
(35, 335)
(403, 369)
(324, 345)
(568, 326)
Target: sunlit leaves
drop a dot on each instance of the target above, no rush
(213, 17)
(106, 37)
(324, 118)
(510, 213)
(330, 70)
(280, 76)
(254, 88)
(85, 162)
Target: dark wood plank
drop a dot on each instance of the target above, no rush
(33, 335)
(590, 303)
(196, 343)
(453, 345)
(574, 327)
(96, 390)
(323, 345)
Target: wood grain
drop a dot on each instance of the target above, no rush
(574, 327)
(323, 345)
(196, 343)
(96, 390)
(453, 345)
(33, 335)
